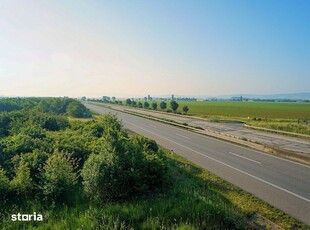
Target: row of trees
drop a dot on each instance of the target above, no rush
(163, 105)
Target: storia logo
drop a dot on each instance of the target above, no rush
(26, 217)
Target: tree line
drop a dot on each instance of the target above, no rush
(163, 105)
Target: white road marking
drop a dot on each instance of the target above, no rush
(248, 174)
(182, 136)
(215, 139)
(245, 157)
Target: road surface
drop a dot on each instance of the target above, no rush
(281, 183)
(279, 141)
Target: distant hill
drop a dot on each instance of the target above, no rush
(291, 96)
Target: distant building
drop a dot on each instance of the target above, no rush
(172, 97)
(149, 98)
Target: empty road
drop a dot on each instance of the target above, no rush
(279, 141)
(282, 183)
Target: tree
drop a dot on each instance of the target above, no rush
(134, 103)
(140, 105)
(174, 105)
(163, 105)
(146, 105)
(185, 109)
(106, 98)
(128, 101)
(154, 105)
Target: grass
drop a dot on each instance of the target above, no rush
(284, 116)
(284, 125)
(196, 199)
(269, 110)
(245, 109)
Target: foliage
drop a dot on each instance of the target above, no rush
(146, 104)
(76, 109)
(59, 176)
(174, 105)
(22, 182)
(154, 105)
(11, 104)
(126, 168)
(4, 184)
(185, 108)
(128, 101)
(163, 105)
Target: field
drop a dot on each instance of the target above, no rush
(283, 116)
(269, 110)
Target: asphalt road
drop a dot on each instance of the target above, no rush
(270, 139)
(281, 183)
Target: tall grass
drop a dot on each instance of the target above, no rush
(288, 126)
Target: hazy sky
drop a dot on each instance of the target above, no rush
(159, 47)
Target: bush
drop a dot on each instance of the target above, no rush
(78, 110)
(59, 176)
(22, 182)
(4, 184)
(148, 143)
(118, 173)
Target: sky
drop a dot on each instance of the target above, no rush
(158, 47)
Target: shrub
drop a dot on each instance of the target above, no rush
(59, 176)
(148, 143)
(22, 182)
(4, 184)
(130, 170)
(78, 110)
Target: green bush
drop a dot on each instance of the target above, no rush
(131, 169)
(78, 110)
(4, 184)
(22, 182)
(59, 176)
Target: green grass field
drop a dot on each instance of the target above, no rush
(269, 110)
(283, 116)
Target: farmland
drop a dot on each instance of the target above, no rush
(282, 116)
(269, 110)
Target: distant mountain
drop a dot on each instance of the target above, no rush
(290, 96)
